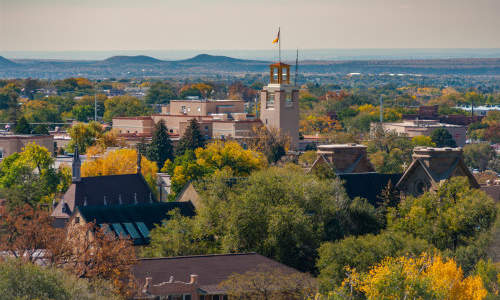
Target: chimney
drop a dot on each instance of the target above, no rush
(438, 160)
(76, 166)
(146, 286)
(193, 279)
(346, 158)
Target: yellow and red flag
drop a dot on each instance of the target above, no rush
(277, 39)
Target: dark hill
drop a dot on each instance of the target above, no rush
(207, 58)
(6, 63)
(138, 59)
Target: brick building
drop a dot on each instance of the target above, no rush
(12, 143)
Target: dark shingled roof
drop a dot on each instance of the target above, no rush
(211, 269)
(367, 185)
(91, 191)
(130, 219)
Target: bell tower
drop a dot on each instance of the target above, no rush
(279, 103)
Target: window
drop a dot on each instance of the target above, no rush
(206, 128)
(183, 109)
(288, 99)
(216, 297)
(187, 296)
(270, 100)
(199, 108)
(77, 220)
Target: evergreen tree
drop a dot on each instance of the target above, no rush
(161, 147)
(443, 138)
(192, 138)
(41, 129)
(22, 126)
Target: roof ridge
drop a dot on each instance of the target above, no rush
(200, 255)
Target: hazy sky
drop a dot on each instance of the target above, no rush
(48, 25)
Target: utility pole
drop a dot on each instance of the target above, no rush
(296, 67)
(95, 101)
(381, 110)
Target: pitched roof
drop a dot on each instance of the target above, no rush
(101, 190)
(211, 269)
(133, 220)
(457, 165)
(367, 185)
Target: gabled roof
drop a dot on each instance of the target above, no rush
(133, 220)
(101, 190)
(367, 185)
(457, 165)
(211, 269)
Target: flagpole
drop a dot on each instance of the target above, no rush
(279, 42)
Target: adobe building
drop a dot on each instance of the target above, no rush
(12, 143)
(430, 167)
(279, 103)
(413, 128)
(138, 125)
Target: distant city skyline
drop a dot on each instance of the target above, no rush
(114, 25)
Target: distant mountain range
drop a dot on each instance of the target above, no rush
(6, 63)
(138, 59)
(212, 65)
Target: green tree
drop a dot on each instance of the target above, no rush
(21, 280)
(478, 156)
(278, 212)
(22, 126)
(84, 135)
(83, 113)
(29, 177)
(123, 106)
(442, 138)
(362, 252)
(454, 216)
(192, 138)
(161, 147)
(160, 93)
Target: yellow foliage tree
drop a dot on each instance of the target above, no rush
(425, 277)
(122, 161)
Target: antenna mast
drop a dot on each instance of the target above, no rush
(279, 43)
(95, 102)
(296, 67)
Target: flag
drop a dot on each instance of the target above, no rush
(277, 39)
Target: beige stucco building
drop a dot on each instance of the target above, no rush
(279, 103)
(12, 143)
(414, 128)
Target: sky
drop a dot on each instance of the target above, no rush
(104, 25)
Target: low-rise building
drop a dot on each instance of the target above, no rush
(413, 128)
(12, 143)
(197, 277)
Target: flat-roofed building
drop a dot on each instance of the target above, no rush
(138, 125)
(413, 128)
(203, 107)
(12, 143)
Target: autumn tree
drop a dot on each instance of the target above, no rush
(192, 138)
(161, 147)
(84, 250)
(84, 135)
(121, 161)
(29, 177)
(269, 141)
(266, 282)
(424, 277)
(361, 253)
